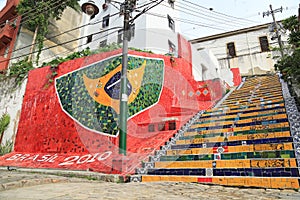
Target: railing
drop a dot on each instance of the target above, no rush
(6, 35)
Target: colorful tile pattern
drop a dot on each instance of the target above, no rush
(244, 142)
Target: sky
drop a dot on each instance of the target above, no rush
(226, 15)
(245, 13)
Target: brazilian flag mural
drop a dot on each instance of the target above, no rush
(90, 95)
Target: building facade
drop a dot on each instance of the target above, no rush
(248, 49)
(9, 25)
(156, 30)
(16, 40)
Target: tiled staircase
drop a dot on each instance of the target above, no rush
(244, 142)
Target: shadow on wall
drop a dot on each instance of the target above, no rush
(257, 71)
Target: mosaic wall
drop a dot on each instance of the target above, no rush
(91, 95)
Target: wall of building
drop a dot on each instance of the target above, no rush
(11, 103)
(249, 57)
(54, 46)
(152, 30)
(8, 32)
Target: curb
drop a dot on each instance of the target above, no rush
(63, 176)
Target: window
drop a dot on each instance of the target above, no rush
(151, 128)
(231, 49)
(89, 39)
(120, 36)
(171, 23)
(171, 2)
(264, 44)
(172, 125)
(105, 21)
(172, 47)
(161, 127)
(103, 43)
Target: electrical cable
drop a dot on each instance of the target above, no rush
(226, 15)
(32, 11)
(187, 21)
(70, 31)
(78, 46)
(185, 9)
(47, 48)
(62, 34)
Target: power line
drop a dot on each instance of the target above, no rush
(47, 48)
(187, 21)
(186, 8)
(226, 15)
(78, 46)
(32, 11)
(68, 32)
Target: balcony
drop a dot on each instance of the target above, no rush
(9, 11)
(6, 34)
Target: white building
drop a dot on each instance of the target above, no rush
(156, 30)
(248, 49)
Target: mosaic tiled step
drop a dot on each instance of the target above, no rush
(222, 164)
(233, 143)
(240, 121)
(239, 116)
(231, 156)
(237, 124)
(255, 94)
(235, 117)
(249, 112)
(265, 86)
(244, 142)
(232, 149)
(229, 181)
(232, 138)
(220, 129)
(244, 101)
(252, 172)
(195, 135)
(261, 105)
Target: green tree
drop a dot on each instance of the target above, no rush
(36, 15)
(289, 64)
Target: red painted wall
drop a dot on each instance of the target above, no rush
(48, 138)
(236, 76)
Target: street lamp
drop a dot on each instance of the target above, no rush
(90, 8)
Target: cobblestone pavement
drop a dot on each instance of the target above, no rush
(25, 185)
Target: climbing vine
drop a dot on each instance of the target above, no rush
(38, 20)
(4, 122)
(19, 70)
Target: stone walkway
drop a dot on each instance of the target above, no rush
(33, 186)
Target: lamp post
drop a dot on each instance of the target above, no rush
(127, 7)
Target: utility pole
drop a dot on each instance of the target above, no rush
(126, 9)
(299, 14)
(276, 26)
